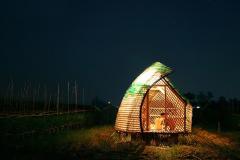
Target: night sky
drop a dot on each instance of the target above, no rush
(105, 45)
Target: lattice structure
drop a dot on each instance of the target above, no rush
(151, 104)
(188, 118)
(163, 110)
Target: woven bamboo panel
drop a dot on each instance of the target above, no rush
(189, 118)
(162, 110)
(128, 114)
(129, 111)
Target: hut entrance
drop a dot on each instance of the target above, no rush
(162, 110)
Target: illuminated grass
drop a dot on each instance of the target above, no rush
(202, 144)
(100, 143)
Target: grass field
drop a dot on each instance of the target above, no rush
(103, 143)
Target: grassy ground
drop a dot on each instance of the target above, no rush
(102, 143)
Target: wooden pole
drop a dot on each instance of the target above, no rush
(7, 98)
(45, 98)
(68, 95)
(83, 98)
(58, 99)
(147, 109)
(49, 102)
(75, 96)
(11, 97)
(33, 102)
(165, 105)
(28, 96)
(23, 98)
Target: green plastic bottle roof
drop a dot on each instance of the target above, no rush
(160, 68)
(147, 78)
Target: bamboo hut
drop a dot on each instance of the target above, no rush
(153, 105)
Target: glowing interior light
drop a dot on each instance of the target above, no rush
(161, 89)
(158, 88)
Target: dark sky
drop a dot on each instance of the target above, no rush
(104, 45)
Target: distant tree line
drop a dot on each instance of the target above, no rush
(105, 112)
(216, 113)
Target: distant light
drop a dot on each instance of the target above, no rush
(109, 102)
(198, 107)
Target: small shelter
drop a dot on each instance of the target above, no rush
(153, 105)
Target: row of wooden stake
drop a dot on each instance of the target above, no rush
(29, 99)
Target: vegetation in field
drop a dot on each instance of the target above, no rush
(22, 125)
(27, 124)
(84, 135)
(103, 143)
